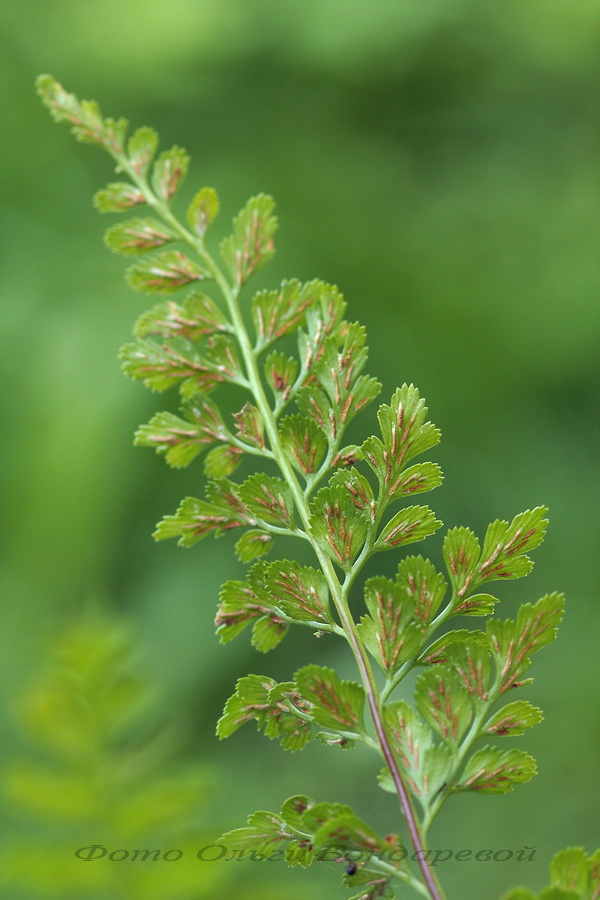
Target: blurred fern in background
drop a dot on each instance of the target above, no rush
(101, 769)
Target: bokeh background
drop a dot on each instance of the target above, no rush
(439, 162)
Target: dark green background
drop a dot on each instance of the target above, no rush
(439, 161)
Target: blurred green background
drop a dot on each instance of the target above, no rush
(439, 161)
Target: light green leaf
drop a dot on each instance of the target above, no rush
(317, 814)
(338, 373)
(269, 499)
(437, 652)
(253, 544)
(138, 236)
(339, 523)
(164, 272)
(251, 245)
(242, 603)
(334, 703)
(168, 172)
(476, 605)
(569, 870)
(422, 585)
(347, 456)
(178, 439)
(298, 591)
(323, 320)
(513, 643)
(294, 733)
(350, 832)
(250, 426)
(387, 644)
(444, 702)
(314, 404)
(299, 853)
(335, 740)
(84, 116)
(182, 439)
(226, 495)
(281, 372)
(203, 210)
(461, 555)
(222, 461)
(504, 548)
(493, 771)
(196, 317)
(293, 810)
(375, 886)
(364, 390)
(414, 523)
(220, 356)
(205, 413)
(141, 149)
(117, 197)
(390, 633)
(303, 442)
(115, 130)
(357, 488)
(239, 605)
(339, 367)
(425, 765)
(264, 832)
(429, 781)
(404, 435)
(594, 875)
(513, 719)
(268, 632)
(415, 480)
(470, 659)
(281, 312)
(176, 362)
(273, 706)
(194, 520)
(249, 702)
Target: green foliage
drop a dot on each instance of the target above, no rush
(491, 771)
(182, 439)
(294, 711)
(101, 771)
(251, 245)
(278, 313)
(573, 876)
(195, 318)
(141, 150)
(307, 832)
(138, 236)
(391, 632)
(117, 197)
(162, 273)
(168, 172)
(341, 521)
(333, 703)
(337, 499)
(203, 210)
